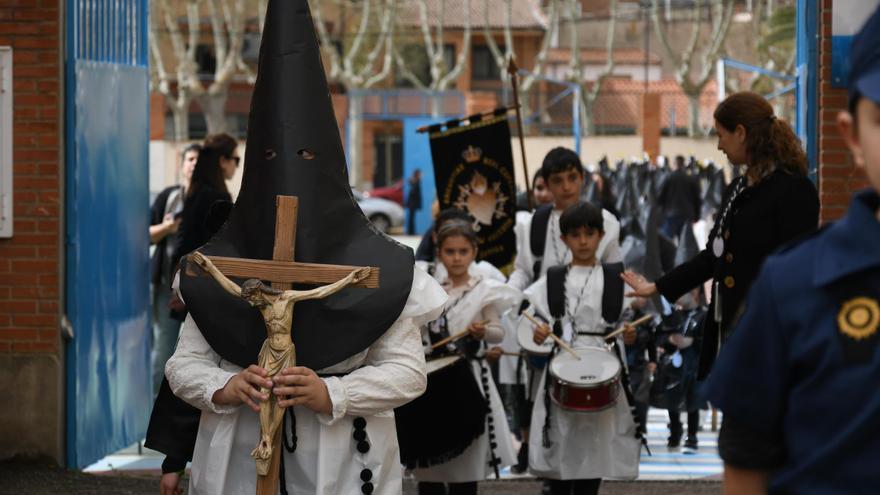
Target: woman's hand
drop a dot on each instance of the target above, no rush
(641, 286)
(244, 388)
(170, 484)
(542, 331)
(300, 386)
(629, 335)
(477, 330)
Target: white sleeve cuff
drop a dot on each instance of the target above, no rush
(217, 382)
(338, 398)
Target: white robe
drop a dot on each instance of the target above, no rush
(486, 299)
(388, 374)
(555, 251)
(584, 445)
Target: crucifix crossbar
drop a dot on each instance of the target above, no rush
(282, 272)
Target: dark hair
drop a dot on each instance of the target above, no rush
(769, 141)
(191, 147)
(581, 214)
(456, 228)
(853, 103)
(450, 214)
(207, 171)
(537, 176)
(679, 161)
(560, 160)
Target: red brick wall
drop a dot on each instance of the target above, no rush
(838, 177)
(30, 260)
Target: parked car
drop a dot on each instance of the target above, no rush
(393, 192)
(385, 215)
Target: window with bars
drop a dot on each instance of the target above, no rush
(5, 141)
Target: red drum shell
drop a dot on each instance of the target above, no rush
(588, 395)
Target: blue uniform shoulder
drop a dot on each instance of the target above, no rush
(794, 261)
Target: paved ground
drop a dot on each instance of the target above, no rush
(42, 479)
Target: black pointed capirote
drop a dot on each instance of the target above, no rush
(294, 148)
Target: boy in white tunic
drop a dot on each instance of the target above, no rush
(386, 375)
(575, 450)
(538, 243)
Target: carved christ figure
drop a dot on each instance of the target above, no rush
(278, 351)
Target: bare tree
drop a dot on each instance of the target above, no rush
(354, 70)
(184, 53)
(692, 79)
(441, 76)
(590, 89)
(227, 19)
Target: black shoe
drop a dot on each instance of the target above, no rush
(691, 442)
(674, 439)
(522, 460)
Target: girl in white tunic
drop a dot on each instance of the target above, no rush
(578, 448)
(348, 448)
(475, 303)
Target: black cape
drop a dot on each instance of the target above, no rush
(293, 148)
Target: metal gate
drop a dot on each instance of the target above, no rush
(107, 222)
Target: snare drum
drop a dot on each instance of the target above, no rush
(525, 332)
(586, 385)
(439, 363)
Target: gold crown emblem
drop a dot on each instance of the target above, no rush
(472, 154)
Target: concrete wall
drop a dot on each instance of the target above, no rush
(31, 421)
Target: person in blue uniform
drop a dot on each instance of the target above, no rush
(798, 379)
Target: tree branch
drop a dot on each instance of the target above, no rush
(326, 43)
(387, 36)
(348, 61)
(461, 59)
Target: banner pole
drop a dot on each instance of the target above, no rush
(512, 71)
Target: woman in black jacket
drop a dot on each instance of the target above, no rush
(772, 204)
(217, 163)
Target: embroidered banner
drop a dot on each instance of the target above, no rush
(473, 171)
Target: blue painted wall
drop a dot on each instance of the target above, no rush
(107, 228)
(417, 155)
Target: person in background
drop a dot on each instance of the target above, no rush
(772, 204)
(797, 381)
(680, 199)
(413, 200)
(164, 224)
(607, 199)
(216, 164)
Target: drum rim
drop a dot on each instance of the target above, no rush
(587, 387)
(529, 342)
(453, 359)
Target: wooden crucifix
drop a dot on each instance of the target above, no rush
(276, 306)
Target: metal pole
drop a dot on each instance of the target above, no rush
(576, 113)
(514, 78)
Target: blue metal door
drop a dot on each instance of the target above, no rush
(107, 222)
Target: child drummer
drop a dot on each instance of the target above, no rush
(575, 450)
(476, 303)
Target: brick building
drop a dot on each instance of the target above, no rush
(31, 357)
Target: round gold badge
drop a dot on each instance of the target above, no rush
(859, 318)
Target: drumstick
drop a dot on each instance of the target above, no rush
(555, 337)
(636, 323)
(455, 337)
